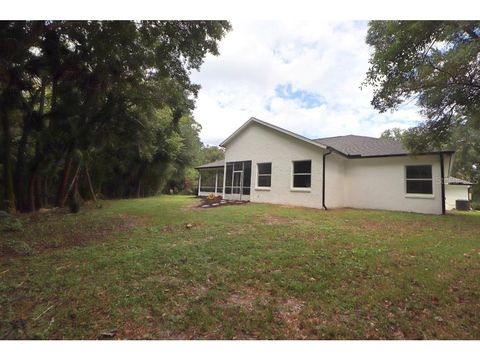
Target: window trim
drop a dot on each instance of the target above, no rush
(257, 174)
(300, 189)
(419, 195)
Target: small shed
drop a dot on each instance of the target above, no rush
(456, 189)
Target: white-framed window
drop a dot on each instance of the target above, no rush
(302, 174)
(418, 180)
(264, 175)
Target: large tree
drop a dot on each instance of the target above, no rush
(436, 64)
(96, 99)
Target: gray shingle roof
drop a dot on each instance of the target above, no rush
(351, 146)
(456, 181)
(354, 145)
(215, 164)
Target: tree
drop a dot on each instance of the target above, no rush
(436, 63)
(211, 153)
(393, 134)
(96, 105)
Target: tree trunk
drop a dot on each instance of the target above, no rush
(74, 182)
(22, 186)
(31, 192)
(8, 189)
(139, 187)
(45, 191)
(92, 193)
(75, 193)
(38, 192)
(64, 181)
(20, 175)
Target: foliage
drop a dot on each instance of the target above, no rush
(14, 247)
(434, 62)
(393, 134)
(10, 224)
(211, 154)
(104, 106)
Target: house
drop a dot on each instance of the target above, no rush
(268, 164)
(456, 189)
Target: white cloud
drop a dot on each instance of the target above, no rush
(326, 59)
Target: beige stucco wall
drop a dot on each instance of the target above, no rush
(335, 166)
(261, 144)
(455, 192)
(379, 183)
(373, 183)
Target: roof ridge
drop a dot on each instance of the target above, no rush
(361, 136)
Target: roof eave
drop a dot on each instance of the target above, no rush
(399, 154)
(209, 167)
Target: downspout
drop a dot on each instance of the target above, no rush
(199, 182)
(442, 175)
(323, 179)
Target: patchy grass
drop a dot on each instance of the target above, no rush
(134, 270)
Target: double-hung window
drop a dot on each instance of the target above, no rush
(264, 175)
(418, 179)
(302, 174)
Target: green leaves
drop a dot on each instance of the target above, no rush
(435, 63)
(117, 90)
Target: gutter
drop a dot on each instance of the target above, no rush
(323, 178)
(442, 175)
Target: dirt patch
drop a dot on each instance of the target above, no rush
(281, 220)
(239, 230)
(397, 228)
(245, 301)
(289, 312)
(245, 298)
(83, 235)
(44, 232)
(162, 279)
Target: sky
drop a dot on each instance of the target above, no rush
(304, 76)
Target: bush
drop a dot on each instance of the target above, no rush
(12, 246)
(10, 224)
(475, 205)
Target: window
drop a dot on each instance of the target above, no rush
(264, 178)
(302, 173)
(418, 179)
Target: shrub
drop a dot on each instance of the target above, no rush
(17, 247)
(12, 246)
(10, 224)
(475, 205)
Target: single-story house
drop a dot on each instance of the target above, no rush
(456, 189)
(265, 163)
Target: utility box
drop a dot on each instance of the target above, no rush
(462, 205)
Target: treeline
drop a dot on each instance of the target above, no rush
(98, 107)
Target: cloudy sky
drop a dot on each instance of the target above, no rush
(303, 76)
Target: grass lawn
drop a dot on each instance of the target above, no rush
(252, 271)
